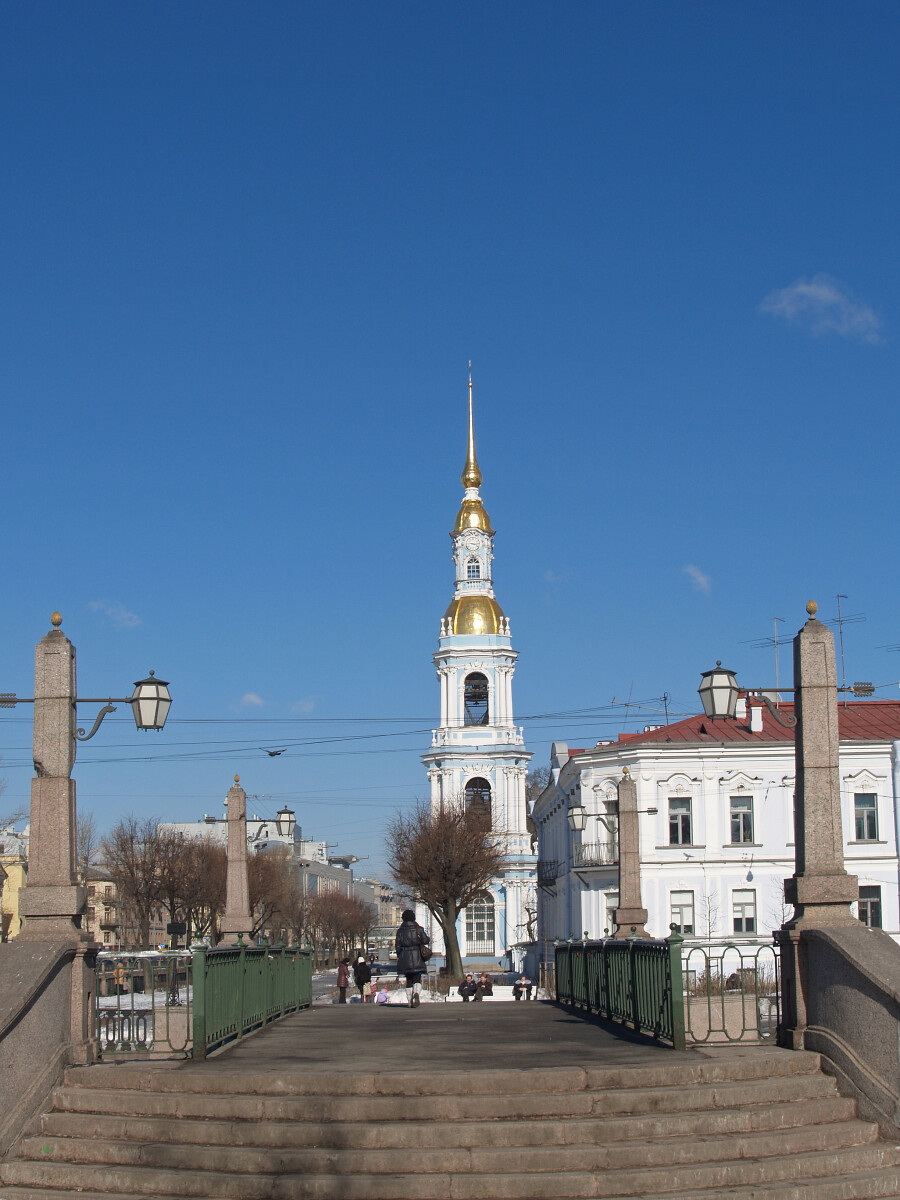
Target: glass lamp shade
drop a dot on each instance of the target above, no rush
(577, 818)
(285, 822)
(718, 692)
(150, 702)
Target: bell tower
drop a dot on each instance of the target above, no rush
(478, 757)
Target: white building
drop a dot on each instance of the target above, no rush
(478, 756)
(263, 834)
(716, 824)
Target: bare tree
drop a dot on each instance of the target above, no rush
(87, 843)
(535, 782)
(132, 854)
(445, 859)
(780, 911)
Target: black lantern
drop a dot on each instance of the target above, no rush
(719, 693)
(150, 702)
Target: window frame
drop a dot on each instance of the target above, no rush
(871, 915)
(741, 820)
(680, 821)
(865, 816)
(680, 906)
(744, 906)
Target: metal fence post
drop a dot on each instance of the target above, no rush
(198, 1050)
(632, 974)
(676, 986)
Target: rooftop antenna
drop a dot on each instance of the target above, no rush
(764, 643)
(665, 700)
(841, 620)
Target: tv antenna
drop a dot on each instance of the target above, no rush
(764, 643)
(841, 620)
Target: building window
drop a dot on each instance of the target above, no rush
(679, 821)
(741, 819)
(869, 909)
(473, 569)
(683, 912)
(478, 799)
(475, 699)
(480, 926)
(744, 908)
(866, 812)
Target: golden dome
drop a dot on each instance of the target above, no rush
(474, 614)
(472, 515)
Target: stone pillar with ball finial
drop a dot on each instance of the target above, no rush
(820, 889)
(629, 917)
(237, 919)
(52, 900)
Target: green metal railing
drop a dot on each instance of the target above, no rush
(192, 1002)
(732, 991)
(636, 981)
(239, 989)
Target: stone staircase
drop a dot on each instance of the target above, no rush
(762, 1124)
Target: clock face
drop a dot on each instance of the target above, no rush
(471, 543)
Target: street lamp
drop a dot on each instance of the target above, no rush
(53, 900)
(719, 692)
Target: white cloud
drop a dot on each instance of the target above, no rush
(303, 706)
(252, 699)
(701, 581)
(116, 614)
(824, 305)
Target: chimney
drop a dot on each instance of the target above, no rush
(740, 709)
(756, 724)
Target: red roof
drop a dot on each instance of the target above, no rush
(858, 721)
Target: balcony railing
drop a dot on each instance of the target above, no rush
(547, 871)
(596, 854)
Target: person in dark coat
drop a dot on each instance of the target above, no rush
(408, 944)
(343, 979)
(467, 988)
(362, 976)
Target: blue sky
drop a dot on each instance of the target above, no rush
(247, 253)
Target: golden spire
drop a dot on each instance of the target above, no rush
(471, 476)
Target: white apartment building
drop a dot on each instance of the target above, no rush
(716, 824)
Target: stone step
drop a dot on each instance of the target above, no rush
(413, 1134)
(443, 1107)
(185, 1078)
(883, 1184)
(714, 1179)
(611, 1156)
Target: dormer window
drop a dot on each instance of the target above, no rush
(473, 569)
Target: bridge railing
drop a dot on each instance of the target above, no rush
(191, 1002)
(732, 990)
(637, 981)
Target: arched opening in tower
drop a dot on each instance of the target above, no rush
(478, 800)
(475, 699)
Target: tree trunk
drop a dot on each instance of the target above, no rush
(447, 920)
(145, 932)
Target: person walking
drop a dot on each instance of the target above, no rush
(362, 975)
(343, 980)
(412, 949)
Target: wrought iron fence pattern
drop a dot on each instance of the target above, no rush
(732, 991)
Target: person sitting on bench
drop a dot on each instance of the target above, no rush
(484, 987)
(467, 989)
(522, 984)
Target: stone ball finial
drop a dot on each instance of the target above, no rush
(812, 608)
(56, 620)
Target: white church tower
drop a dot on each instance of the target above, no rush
(478, 756)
